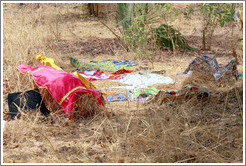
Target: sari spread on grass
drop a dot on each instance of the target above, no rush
(99, 75)
(63, 86)
(107, 66)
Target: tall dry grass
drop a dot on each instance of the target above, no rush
(198, 131)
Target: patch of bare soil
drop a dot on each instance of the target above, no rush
(86, 47)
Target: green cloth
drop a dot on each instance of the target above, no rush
(152, 91)
(103, 66)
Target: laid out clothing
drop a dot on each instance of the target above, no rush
(62, 86)
(144, 81)
(117, 97)
(125, 62)
(103, 66)
(50, 62)
(208, 63)
(98, 75)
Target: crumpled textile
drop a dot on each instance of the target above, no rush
(141, 98)
(103, 66)
(189, 89)
(208, 63)
(121, 71)
(63, 86)
(98, 75)
(151, 91)
(144, 81)
(84, 80)
(143, 94)
(47, 61)
(50, 62)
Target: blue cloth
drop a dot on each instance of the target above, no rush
(126, 62)
(117, 97)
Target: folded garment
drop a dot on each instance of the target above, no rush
(29, 100)
(103, 66)
(144, 81)
(98, 75)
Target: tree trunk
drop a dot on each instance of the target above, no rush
(232, 44)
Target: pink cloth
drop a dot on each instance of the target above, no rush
(60, 84)
(98, 75)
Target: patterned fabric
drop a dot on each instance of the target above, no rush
(186, 92)
(117, 97)
(98, 75)
(103, 66)
(208, 64)
(117, 62)
(122, 71)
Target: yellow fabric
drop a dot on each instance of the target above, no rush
(84, 80)
(47, 61)
(50, 62)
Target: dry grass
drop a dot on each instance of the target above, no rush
(197, 131)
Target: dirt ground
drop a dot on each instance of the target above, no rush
(195, 131)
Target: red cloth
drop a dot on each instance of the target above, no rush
(62, 85)
(98, 75)
(122, 71)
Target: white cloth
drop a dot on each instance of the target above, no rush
(144, 81)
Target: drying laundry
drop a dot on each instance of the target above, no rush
(122, 71)
(185, 93)
(50, 62)
(144, 81)
(143, 94)
(151, 91)
(117, 97)
(99, 75)
(103, 66)
(208, 64)
(62, 86)
(125, 62)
